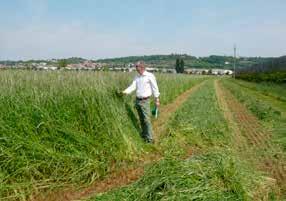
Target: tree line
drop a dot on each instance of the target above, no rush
(273, 70)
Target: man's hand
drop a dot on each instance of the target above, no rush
(157, 102)
(120, 93)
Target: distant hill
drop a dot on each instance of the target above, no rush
(163, 61)
(72, 60)
(75, 60)
(168, 61)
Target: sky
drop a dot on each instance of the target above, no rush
(93, 29)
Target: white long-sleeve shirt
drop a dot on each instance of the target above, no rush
(145, 85)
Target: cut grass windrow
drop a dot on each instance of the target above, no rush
(270, 111)
(253, 140)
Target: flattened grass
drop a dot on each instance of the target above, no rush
(270, 110)
(212, 176)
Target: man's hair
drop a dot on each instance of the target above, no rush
(140, 64)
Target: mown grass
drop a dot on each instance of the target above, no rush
(214, 172)
(212, 176)
(267, 88)
(271, 111)
(173, 85)
(198, 123)
(62, 128)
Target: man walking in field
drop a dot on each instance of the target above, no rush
(145, 85)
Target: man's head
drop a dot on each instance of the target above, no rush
(140, 67)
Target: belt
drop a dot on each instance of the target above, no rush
(143, 98)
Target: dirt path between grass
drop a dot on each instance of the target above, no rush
(127, 175)
(250, 137)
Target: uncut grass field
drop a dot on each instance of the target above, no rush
(62, 129)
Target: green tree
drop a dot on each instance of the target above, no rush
(62, 63)
(182, 66)
(177, 65)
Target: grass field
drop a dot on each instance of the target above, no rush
(69, 130)
(215, 171)
(59, 128)
(266, 102)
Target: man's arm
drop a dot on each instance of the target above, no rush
(131, 88)
(155, 90)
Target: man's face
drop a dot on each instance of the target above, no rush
(140, 69)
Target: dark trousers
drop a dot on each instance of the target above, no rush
(143, 109)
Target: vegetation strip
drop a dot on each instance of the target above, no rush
(228, 115)
(256, 136)
(270, 112)
(271, 90)
(127, 176)
(169, 109)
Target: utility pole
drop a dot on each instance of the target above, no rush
(234, 59)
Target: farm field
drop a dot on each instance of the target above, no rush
(63, 128)
(233, 158)
(68, 136)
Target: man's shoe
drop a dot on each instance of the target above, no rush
(150, 141)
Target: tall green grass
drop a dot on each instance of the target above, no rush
(61, 128)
